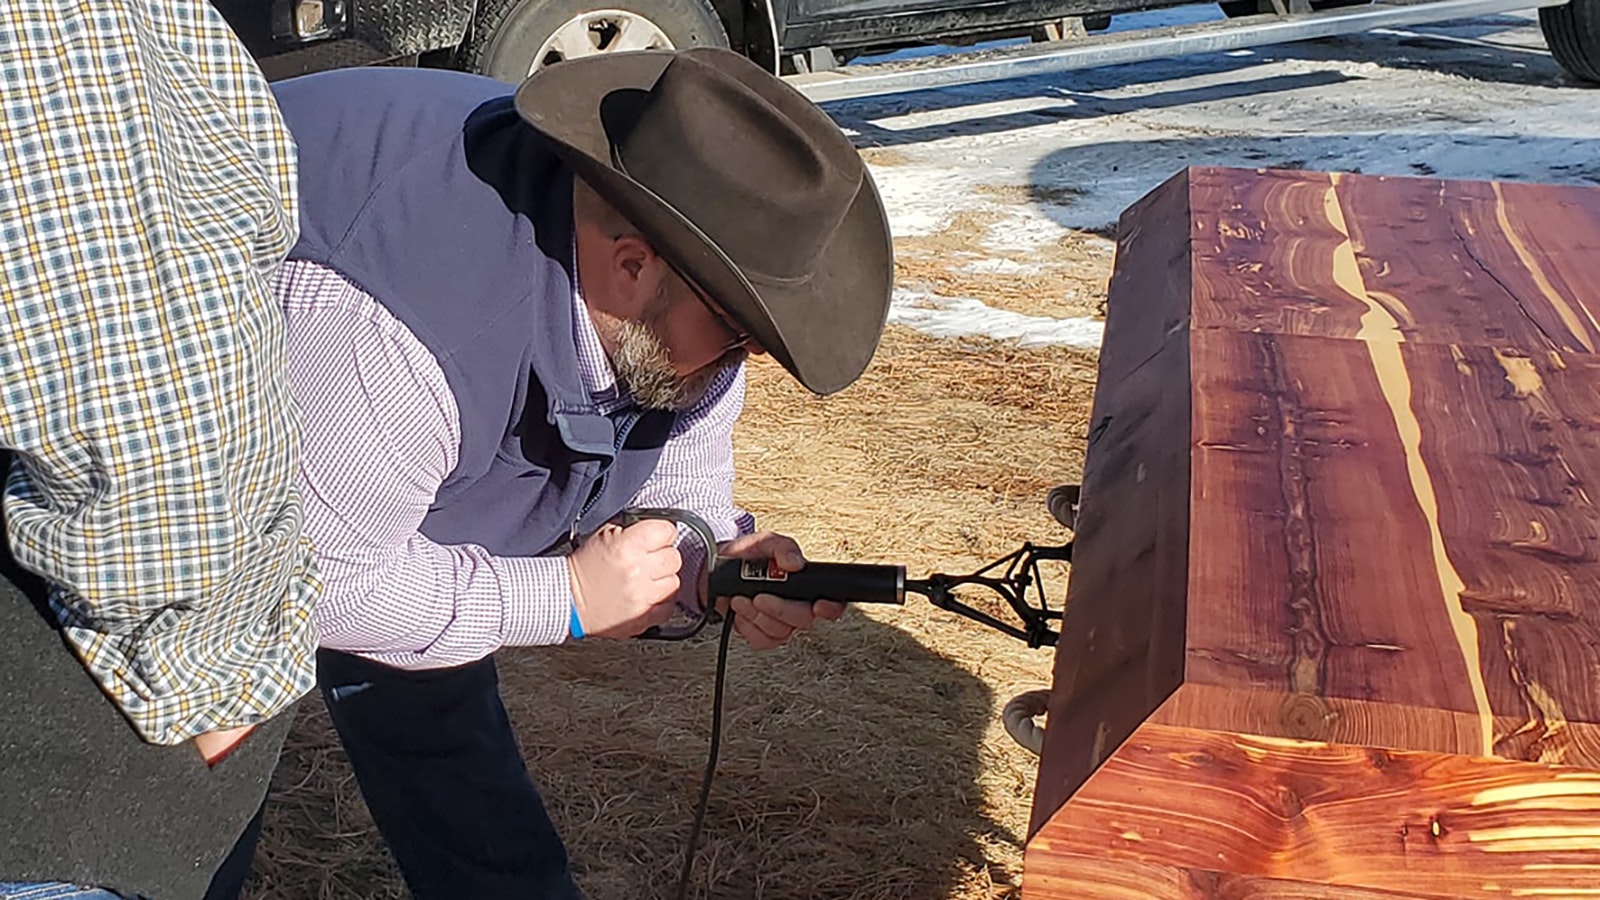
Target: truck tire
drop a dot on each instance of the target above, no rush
(1573, 33)
(512, 38)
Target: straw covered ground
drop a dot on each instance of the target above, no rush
(865, 761)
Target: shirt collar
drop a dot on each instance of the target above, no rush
(594, 368)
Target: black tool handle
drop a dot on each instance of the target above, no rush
(845, 582)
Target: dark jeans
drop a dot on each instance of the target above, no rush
(439, 766)
(228, 881)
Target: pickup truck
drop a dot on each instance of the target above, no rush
(813, 41)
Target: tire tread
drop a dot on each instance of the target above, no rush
(1572, 32)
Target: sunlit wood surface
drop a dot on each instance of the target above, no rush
(1334, 619)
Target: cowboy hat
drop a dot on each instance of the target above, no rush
(739, 182)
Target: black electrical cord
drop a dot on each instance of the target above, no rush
(711, 757)
(1021, 574)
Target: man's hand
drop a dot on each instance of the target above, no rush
(624, 579)
(766, 621)
(215, 745)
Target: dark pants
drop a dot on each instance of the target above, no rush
(439, 766)
(228, 882)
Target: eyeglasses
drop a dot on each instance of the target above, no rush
(741, 338)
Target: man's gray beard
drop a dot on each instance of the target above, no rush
(644, 367)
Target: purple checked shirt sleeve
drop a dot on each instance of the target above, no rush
(381, 433)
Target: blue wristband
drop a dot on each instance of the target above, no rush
(575, 625)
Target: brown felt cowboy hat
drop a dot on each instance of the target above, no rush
(742, 184)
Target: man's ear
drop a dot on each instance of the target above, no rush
(629, 254)
(638, 267)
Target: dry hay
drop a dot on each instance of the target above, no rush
(866, 760)
(884, 156)
(1063, 279)
(1048, 195)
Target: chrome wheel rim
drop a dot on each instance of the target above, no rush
(600, 31)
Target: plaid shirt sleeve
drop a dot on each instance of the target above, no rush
(147, 186)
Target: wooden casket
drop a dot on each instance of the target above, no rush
(1333, 623)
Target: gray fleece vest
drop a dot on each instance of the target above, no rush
(426, 190)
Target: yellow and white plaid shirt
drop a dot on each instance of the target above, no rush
(147, 186)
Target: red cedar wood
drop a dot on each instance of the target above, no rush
(1333, 625)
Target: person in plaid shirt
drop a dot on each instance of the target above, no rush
(157, 598)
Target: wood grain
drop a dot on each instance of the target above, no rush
(1122, 645)
(1102, 878)
(1463, 263)
(1413, 824)
(1348, 435)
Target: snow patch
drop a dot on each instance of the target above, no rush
(1474, 99)
(918, 198)
(952, 317)
(1026, 229)
(913, 119)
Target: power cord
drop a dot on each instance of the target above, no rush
(711, 757)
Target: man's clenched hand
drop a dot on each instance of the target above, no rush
(624, 579)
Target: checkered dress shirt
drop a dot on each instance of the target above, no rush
(147, 186)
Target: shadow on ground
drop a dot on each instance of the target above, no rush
(849, 769)
(1483, 50)
(1087, 186)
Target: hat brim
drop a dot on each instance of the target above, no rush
(823, 330)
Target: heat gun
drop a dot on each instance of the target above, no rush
(1012, 577)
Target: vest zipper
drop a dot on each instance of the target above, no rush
(628, 421)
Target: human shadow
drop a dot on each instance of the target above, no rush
(850, 767)
(1496, 49)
